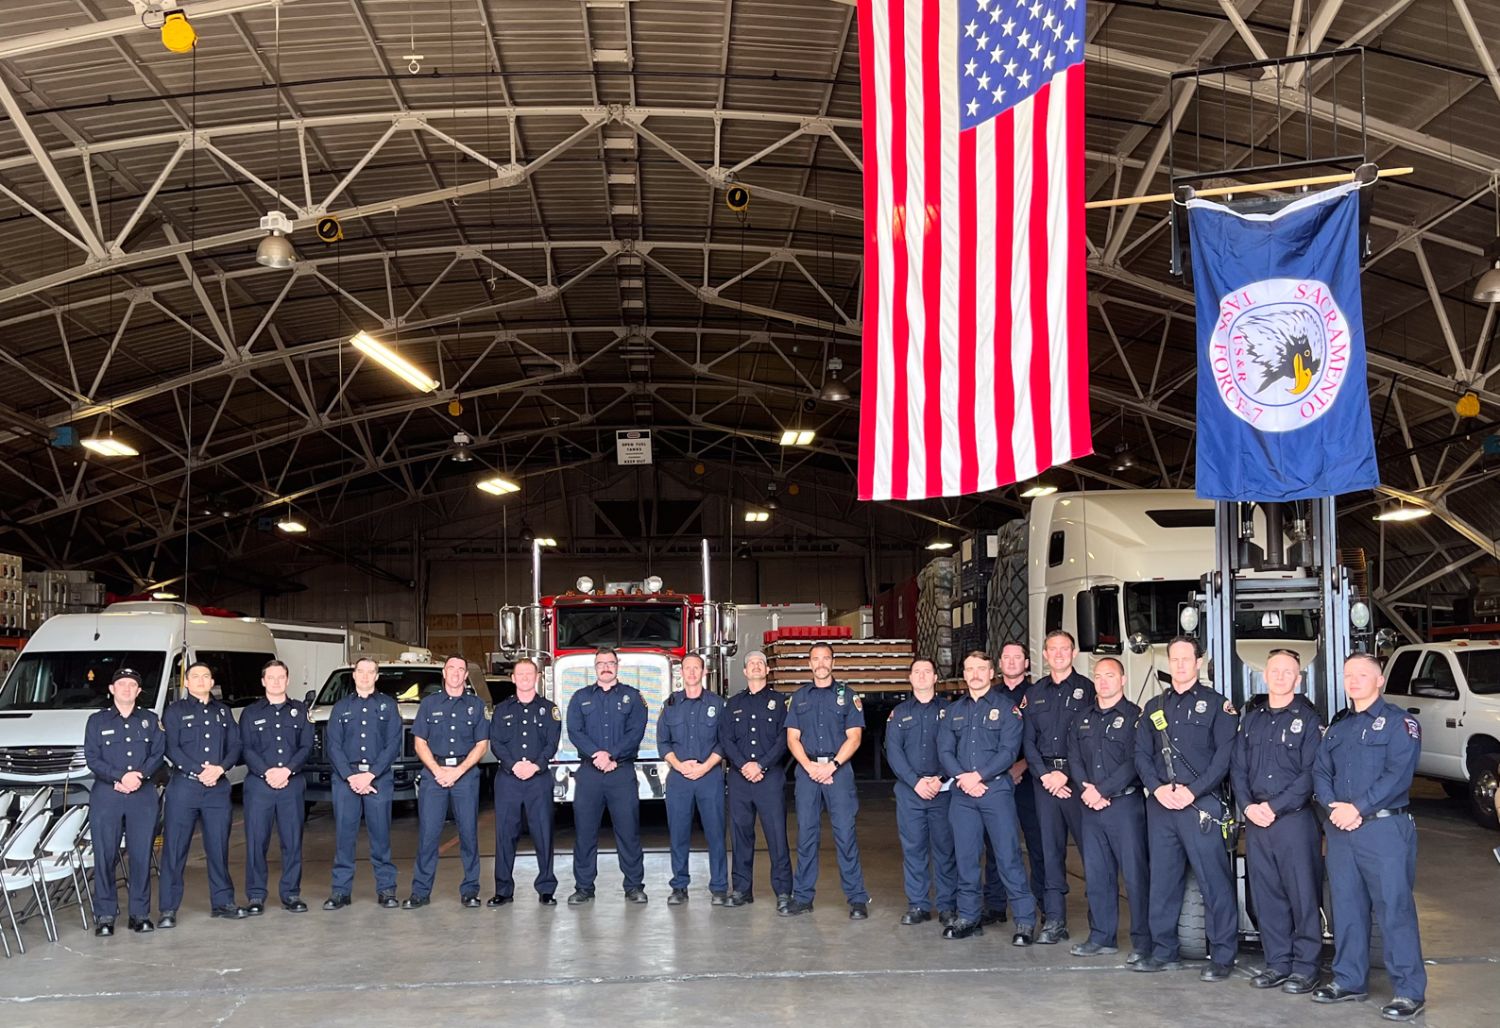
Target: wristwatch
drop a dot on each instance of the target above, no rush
(836, 762)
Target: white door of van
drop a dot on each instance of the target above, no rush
(1435, 698)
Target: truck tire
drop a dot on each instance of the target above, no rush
(1484, 776)
(1455, 790)
(1192, 923)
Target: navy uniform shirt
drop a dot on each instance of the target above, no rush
(612, 720)
(824, 715)
(363, 734)
(1368, 759)
(1273, 754)
(1200, 727)
(525, 731)
(911, 740)
(275, 735)
(199, 733)
(755, 729)
(982, 735)
(690, 728)
(1048, 709)
(114, 746)
(452, 726)
(1101, 748)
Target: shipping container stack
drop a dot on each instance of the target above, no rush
(937, 585)
(976, 565)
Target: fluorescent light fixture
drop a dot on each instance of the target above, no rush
(797, 437)
(109, 446)
(163, 595)
(757, 516)
(291, 526)
(393, 362)
(940, 544)
(546, 540)
(1037, 490)
(1403, 514)
(498, 485)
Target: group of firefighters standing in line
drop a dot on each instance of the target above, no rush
(1145, 794)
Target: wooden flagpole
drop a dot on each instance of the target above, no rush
(1259, 187)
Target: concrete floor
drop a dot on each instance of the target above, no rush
(695, 965)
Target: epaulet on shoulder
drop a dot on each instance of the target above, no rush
(1340, 716)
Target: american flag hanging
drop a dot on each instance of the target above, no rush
(975, 369)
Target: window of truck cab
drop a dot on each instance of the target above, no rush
(651, 625)
(78, 679)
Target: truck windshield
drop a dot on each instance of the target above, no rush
(404, 684)
(624, 624)
(78, 680)
(1151, 608)
(1482, 670)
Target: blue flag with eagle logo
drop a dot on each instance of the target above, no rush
(1283, 409)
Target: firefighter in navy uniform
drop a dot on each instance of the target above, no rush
(203, 743)
(363, 740)
(824, 726)
(606, 723)
(754, 740)
(123, 746)
(276, 740)
(911, 750)
(1362, 776)
(1271, 769)
(1101, 763)
(1048, 709)
(1182, 748)
(1012, 665)
(979, 743)
(687, 738)
(450, 736)
(524, 734)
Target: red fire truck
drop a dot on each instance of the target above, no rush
(652, 628)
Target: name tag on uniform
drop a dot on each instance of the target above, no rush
(108, 731)
(261, 721)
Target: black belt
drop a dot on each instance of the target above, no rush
(1056, 763)
(1389, 811)
(192, 776)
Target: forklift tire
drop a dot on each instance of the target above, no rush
(1192, 923)
(1484, 776)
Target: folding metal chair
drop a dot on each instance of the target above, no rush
(18, 871)
(58, 864)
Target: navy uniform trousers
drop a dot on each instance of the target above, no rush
(348, 808)
(187, 803)
(706, 795)
(1376, 866)
(1285, 868)
(1057, 820)
(133, 816)
(1114, 846)
(991, 816)
(842, 803)
(1176, 842)
(265, 806)
(531, 800)
(593, 794)
(433, 806)
(765, 799)
(926, 849)
(1031, 831)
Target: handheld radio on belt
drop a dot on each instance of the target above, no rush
(1229, 827)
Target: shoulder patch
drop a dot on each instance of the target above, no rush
(891, 716)
(859, 704)
(1023, 704)
(1017, 711)
(942, 713)
(1229, 708)
(1413, 728)
(555, 715)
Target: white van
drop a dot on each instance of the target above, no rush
(62, 676)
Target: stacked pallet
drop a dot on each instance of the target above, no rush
(1006, 612)
(936, 585)
(865, 665)
(970, 616)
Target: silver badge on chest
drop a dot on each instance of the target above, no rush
(1200, 707)
(1379, 723)
(1118, 722)
(1297, 726)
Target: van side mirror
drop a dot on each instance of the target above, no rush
(1098, 617)
(1088, 636)
(309, 697)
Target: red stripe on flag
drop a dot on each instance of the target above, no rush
(1005, 232)
(1041, 331)
(869, 382)
(968, 446)
(1079, 434)
(932, 255)
(900, 217)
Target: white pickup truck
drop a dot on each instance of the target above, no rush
(1453, 688)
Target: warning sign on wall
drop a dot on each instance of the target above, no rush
(633, 446)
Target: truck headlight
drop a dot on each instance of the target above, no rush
(1188, 618)
(585, 584)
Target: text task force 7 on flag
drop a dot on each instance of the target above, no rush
(975, 370)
